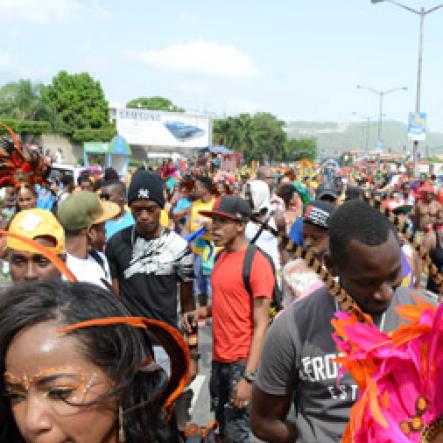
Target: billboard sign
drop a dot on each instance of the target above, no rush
(163, 129)
(417, 126)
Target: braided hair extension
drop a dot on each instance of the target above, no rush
(344, 301)
(402, 229)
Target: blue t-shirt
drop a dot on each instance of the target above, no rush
(182, 204)
(296, 232)
(45, 198)
(113, 226)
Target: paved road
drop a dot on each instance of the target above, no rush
(201, 406)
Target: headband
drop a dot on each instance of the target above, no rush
(169, 338)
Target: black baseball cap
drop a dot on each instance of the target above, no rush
(326, 191)
(229, 206)
(318, 213)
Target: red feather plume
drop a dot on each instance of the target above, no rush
(19, 165)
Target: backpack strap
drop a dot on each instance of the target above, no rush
(264, 225)
(96, 256)
(247, 266)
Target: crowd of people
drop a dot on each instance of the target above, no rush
(106, 282)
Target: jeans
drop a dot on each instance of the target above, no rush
(202, 283)
(233, 423)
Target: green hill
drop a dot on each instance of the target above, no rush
(334, 138)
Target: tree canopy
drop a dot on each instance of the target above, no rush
(22, 100)
(79, 102)
(155, 104)
(75, 105)
(32, 127)
(299, 149)
(261, 137)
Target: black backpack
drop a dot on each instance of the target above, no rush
(277, 296)
(276, 304)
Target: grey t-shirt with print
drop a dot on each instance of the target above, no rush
(298, 360)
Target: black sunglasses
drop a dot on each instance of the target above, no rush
(105, 196)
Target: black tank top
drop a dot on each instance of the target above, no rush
(437, 258)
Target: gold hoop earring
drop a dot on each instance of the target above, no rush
(121, 425)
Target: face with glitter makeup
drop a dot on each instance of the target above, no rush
(50, 384)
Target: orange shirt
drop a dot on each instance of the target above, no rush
(232, 314)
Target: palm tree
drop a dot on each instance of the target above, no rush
(247, 134)
(22, 101)
(220, 131)
(238, 133)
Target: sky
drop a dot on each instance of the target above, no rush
(298, 59)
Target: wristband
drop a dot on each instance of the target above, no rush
(195, 356)
(249, 376)
(191, 337)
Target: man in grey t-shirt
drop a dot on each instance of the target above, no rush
(297, 362)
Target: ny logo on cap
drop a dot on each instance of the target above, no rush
(143, 193)
(30, 222)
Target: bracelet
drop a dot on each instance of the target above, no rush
(249, 376)
(195, 356)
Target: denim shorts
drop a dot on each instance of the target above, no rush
(202, 283)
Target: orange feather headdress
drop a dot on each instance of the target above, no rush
(20, 164)
(399, 376)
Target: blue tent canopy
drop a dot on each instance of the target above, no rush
(119, 145)
(116, 153)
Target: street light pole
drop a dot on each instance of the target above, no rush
(381, 95)
(422, 12)
(380, 117)
(420, 59)
(418, 97)
(367, 129)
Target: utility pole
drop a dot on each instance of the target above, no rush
(422, 12)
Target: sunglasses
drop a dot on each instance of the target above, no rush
(105, 196)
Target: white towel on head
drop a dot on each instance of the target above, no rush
(260, 195)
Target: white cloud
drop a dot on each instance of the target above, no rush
(199, 58)
(7, 60)
(188, 18)
(47, 11)
(191, 87)
(239, 106)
